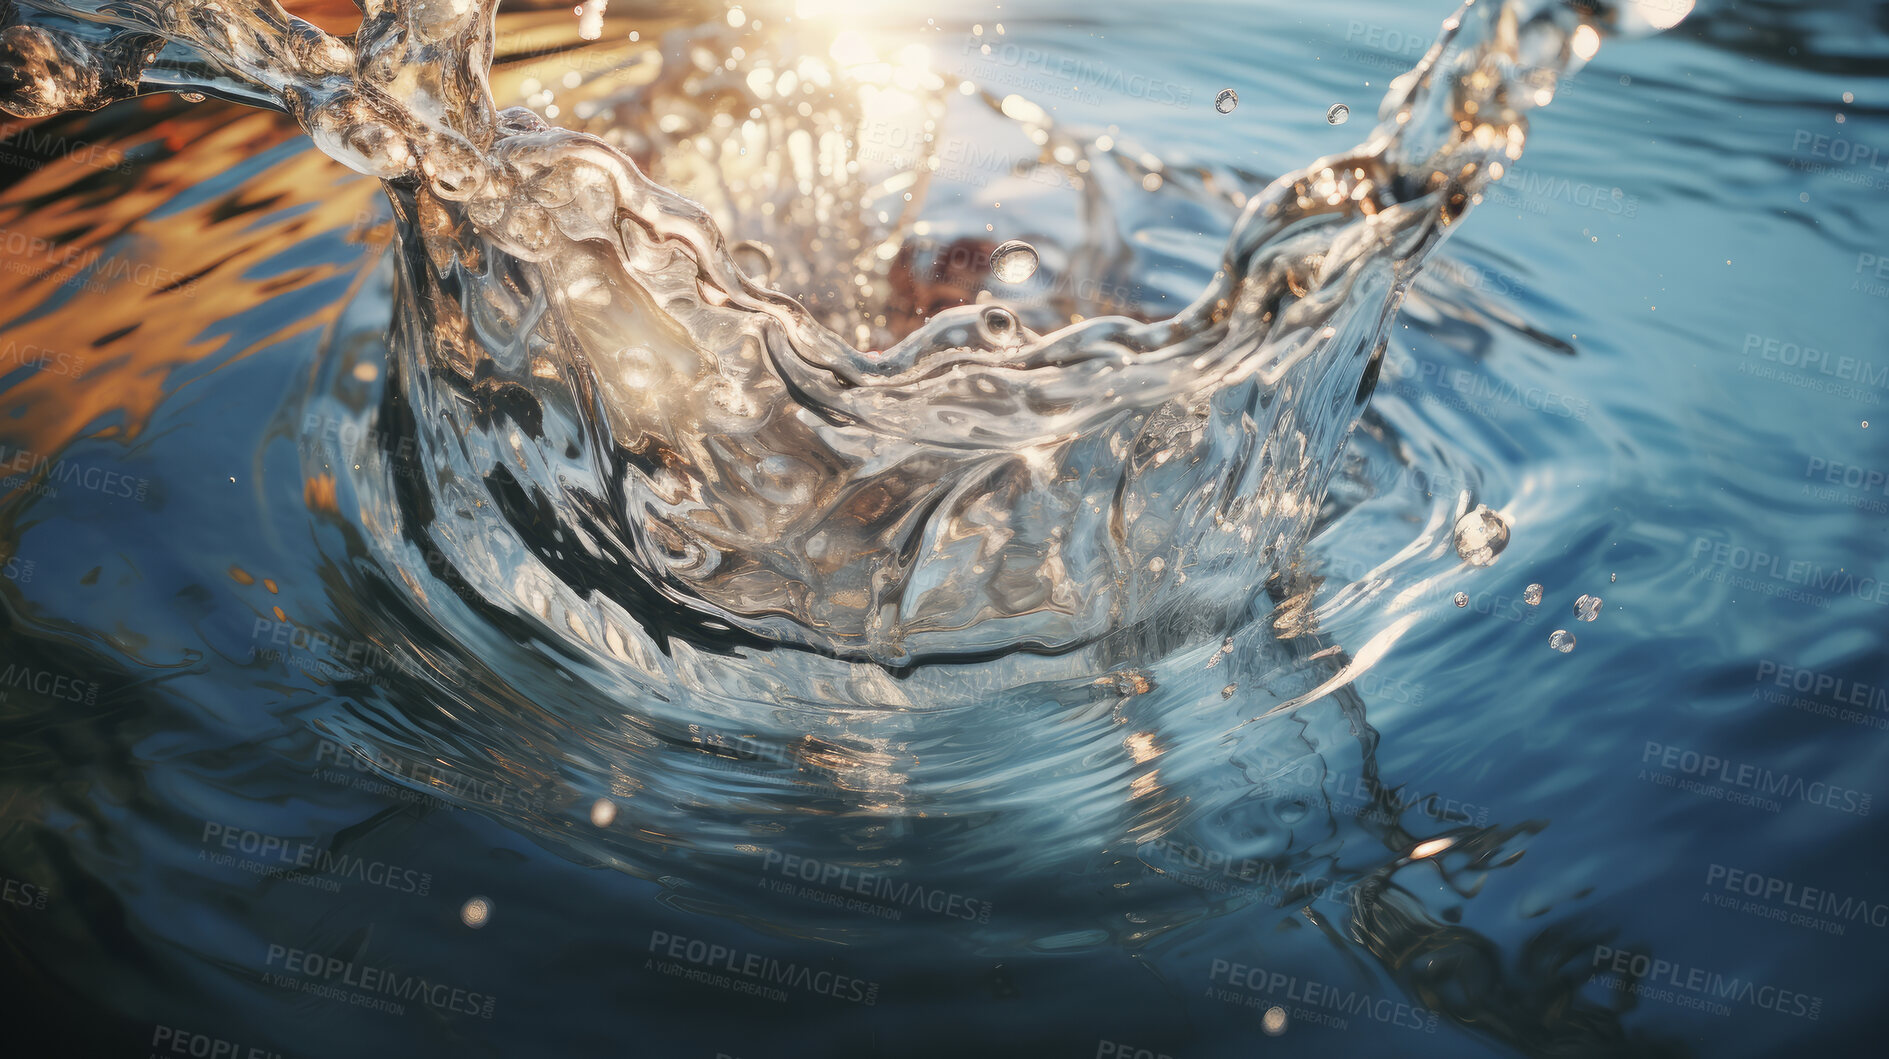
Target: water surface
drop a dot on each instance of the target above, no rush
(297, 696)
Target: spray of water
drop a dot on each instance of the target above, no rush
(583, 351)
(693, 566)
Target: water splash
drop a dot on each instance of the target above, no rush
(1014, 261)
(1480, 537)
(613, 469)
(583, 353)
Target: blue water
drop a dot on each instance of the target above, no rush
(1655, 350)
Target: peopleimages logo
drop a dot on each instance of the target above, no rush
(1118, 1050)
(1473, 277)
(1529, 190)
(344, 435)
(1872, 268)
(1066, 76)
(36, 146)
(1824, 694)
(1813, 361)
(50, 361)
(971, 162)
(22, 894)
(1379, 688)
(877, 887)
(314, 648)
(1776, 571)
(747, 755)
(47, 683)
(39, 474)
(277, 857)
(1215, 871)
(1839, 150)
(1477, 389)
(98, 270)
(171, 1040)
(1383, 38)
(1846, 484)
(713, 963)
(1705, 773)
(1848, 475)
(327, 975)
(1834, 688)
(1262, 988)
(359, 768)
(1695, 987)
(1792, 896)
(1350, 794)
(18, 569)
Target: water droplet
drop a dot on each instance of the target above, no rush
(603, 812)
(1562, 641)
(1226, 101)
(191, 97)
(476, 912)
(1338, 114)
(1274, 1021)
(1462, 599)
(1587, 608)
(1532, 595)
(999, 327)
(1480, 536)
(1013, 262)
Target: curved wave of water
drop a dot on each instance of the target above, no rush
(649, 535)
(580, 351)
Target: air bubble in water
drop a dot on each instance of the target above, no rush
(1562, 641)
(1014, 261)
(1462, 599)
(476, 913)
(1587, 608)
(1338, 114)
(1226, 101)
(1480, 536)
(1532, 595)
(603, 812)
(999, 327)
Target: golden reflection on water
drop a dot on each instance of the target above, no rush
(135, 255)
